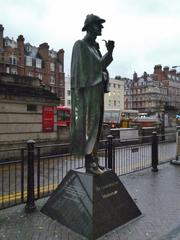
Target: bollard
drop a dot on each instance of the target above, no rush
(30, 204)
(154, 152)
(110, 155)
(177, 161)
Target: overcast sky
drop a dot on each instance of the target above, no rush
(146, 32)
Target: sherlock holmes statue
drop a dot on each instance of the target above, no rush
(89, 81)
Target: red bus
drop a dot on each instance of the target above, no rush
(63, 116)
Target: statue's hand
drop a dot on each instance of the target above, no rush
(110, 45)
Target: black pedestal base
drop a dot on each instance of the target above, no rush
(91, 205)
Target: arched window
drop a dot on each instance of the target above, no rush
(13, 59)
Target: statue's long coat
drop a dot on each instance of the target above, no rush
(87, 95)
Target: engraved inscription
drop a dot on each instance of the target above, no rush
(109, 194)
(110, 185)
(73, 193)
(106, 190)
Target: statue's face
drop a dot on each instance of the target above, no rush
(96, 28)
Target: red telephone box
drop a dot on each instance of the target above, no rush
(48, 119)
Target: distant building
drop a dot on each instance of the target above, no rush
(115, 98)
(67, 91)
(23, 59)
(155, 92)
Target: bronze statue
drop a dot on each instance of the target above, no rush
(89, 81)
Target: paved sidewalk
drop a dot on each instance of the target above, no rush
(156, 194)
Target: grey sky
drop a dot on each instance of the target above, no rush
(146, 32)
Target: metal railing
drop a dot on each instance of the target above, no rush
(39, 169)
(13, 180)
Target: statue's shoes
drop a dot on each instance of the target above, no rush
(94, 169)
(96, 161)
(101, 167)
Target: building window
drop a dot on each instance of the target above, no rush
(39, 76)
(69, 92)
(30, 74)
(13, 59)
(13, 70)
(52, 80)
(28, 48)
(52, 90)
(31, 107)
(28, 61)
(38, 63)
(69, 102)
(52, 67)
(7, 70)
(6, 43)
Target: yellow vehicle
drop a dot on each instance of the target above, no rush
(118, 118)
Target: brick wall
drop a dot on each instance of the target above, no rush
(18, 49)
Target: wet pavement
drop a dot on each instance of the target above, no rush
(157, 194)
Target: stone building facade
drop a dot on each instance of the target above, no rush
(155, 92)
(112, 100)
(67, 91)
(25, 108)
(23, 59)
(115, 98)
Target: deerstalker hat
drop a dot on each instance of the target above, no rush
(90, 19)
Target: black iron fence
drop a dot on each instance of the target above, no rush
(13, 177)
(38, 170)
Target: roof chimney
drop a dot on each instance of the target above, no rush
(173, 72)
(157, 68)
(158, 72)
(20, 47)
(1, 35)
(135, 77)
(60, 55)
(44, 51)
(166, 69)
(20, 43)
